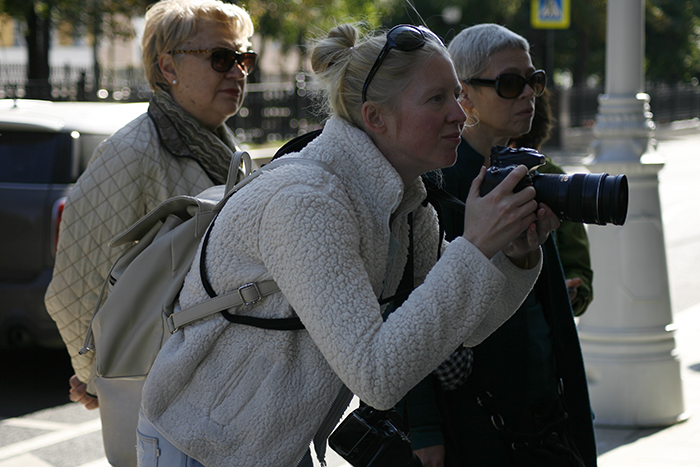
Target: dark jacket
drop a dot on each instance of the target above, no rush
(517, 364)
(574, 252)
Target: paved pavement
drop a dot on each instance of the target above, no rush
(69, 436)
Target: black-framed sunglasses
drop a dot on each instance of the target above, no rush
(223, 59)
(404, 37)
(511, 85)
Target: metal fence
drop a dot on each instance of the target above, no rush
(669, 102)
(271, 112)
(277, 111)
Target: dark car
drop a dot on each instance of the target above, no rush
(44, 147)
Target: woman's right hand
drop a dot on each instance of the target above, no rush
(493, 221)
(433, 456)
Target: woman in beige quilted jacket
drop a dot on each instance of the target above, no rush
(197, 56)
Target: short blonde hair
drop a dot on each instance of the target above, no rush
(171, 23)
(342, 60)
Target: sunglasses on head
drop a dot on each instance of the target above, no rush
(404, 37)
(223, 59)
(511, 85)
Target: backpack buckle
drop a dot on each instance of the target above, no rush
(250, 293)
(170, 323)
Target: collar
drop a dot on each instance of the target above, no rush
(353, 153)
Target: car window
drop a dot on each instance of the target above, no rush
(35, 157)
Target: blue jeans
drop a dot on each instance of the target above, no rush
(153, 450)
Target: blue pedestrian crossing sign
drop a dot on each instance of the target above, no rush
(550, 14)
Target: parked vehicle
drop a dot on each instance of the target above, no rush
(44, 147)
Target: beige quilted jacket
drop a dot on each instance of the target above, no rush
(129, 175)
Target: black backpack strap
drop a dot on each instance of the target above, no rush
(406, 285)
(435, 197)
(437, 194)
(278, 324)
(296, 144)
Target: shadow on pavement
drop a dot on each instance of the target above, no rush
(609, 438)
(33, 379)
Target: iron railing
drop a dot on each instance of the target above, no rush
(277, 111)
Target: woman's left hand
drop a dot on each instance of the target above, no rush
(78, 393)
(523, 250)
(572, 286)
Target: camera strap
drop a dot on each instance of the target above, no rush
(436, 197)
(406, 285)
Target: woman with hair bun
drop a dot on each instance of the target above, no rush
(335, 239)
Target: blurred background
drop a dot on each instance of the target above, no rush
(90, 50)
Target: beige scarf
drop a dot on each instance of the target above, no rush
(184, 136)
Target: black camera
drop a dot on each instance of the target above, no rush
(370, 438)
(587, 198)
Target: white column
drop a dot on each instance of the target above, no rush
(627, 334)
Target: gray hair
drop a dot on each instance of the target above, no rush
(342, 60)
(171, 23)
(472, 48)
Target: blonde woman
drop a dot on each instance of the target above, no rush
(335, 241)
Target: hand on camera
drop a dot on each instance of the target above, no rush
(433, 456)
(521, 249)
(494, 221)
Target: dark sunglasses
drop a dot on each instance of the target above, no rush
(511, 85)
(223, 59)
(404, 37)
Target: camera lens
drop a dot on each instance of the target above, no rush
(588, 198)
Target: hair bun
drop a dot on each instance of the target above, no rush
(334, 48)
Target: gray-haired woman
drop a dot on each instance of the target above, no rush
(529, 375)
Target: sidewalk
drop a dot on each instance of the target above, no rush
(677, 445)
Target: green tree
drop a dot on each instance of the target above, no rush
(580, 49)
(672, 33)
(39, 17)
(447, 17)
(36, 16)
(672, 40)
(101, 19)
(294, 22)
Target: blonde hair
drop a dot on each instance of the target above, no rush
(171, 23)
(342, 60)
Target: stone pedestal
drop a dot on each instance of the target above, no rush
(626, 335)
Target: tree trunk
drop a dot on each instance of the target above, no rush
(581, 59)
(96, 37)
(38, 38)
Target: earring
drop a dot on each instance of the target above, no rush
(174, 82)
